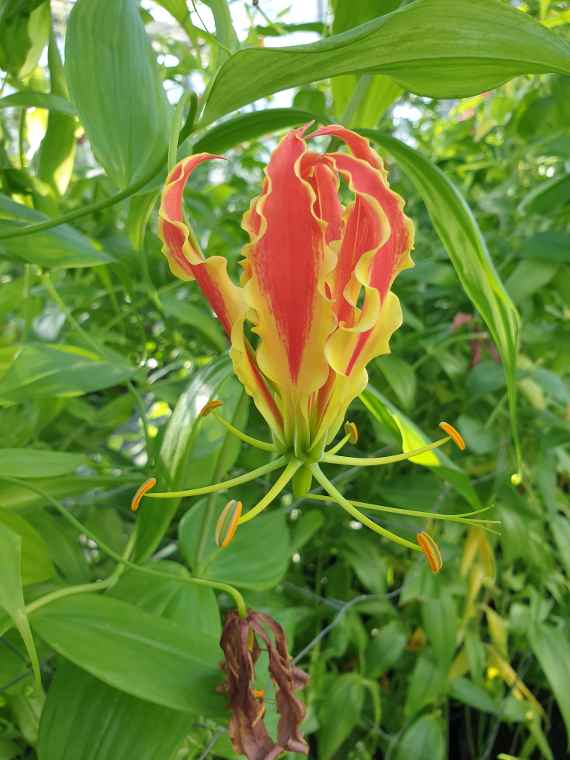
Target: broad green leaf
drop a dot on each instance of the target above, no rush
(61, 246)
(425, 686)
(257, 558)
(529, 276)
(38, 463)
(35, 559)
(195, 451)
(440, 48)
(151, 658)
(463, 241)
(24, 30)
(552, 246)
(473, 695)
(249, 126)
(401, 377)
(547, 196)
(340, 713)
(13, 496)
(223, 19)
(12, 594)
(425, 738)
(33, 99)
(116, 87)
(39, 371)
(79, 705)
(550, 646)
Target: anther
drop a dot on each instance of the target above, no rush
(227, 523)
(351, 430)
(209, 407)
(431, 551)
(516, 479)
(141, 491)
(454, 434)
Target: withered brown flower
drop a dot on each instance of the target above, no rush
(240, 643)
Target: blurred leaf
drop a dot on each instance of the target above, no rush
(257, 558)
(462, 238)
(195, 317)
(305, 528)
(550, 646)
(24, 30)
(480, 439)
(385, 649)
(549, 246)
(401, 377)
(40, 371)
(426, 685)
(33, 99)
(195, 451)
(248, 126)
(340, 713)
(115, 85)
(36, 565)
(38, 463)
(133, 651)
(424, 739)
(440, 622)
(547, 196)
(475, 696)
(464, 49)
(61, 246)
(528, 277)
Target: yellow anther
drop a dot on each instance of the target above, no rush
(210, 406)
(351, 430)
(227, 523)
(516, 479)
(141, 491)
(454, 434)
(431, 550)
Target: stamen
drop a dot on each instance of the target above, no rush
(209, 407)
(331, 489)
(141, 491)
(330, 458)
(431, 551)
(454, 434)
(273, 492)
(258, 693)
(255, 442)
(516, 479)
(237, 481)
(225, 531)
(352, 431)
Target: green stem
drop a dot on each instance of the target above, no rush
(233, 592)
(372, 462)
(255, 442)
(273, 492)
(336, 495)
(462, 518)
(215, 487)
(335, 449)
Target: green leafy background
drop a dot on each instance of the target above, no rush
(106, 361)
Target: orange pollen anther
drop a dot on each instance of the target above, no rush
(431, 550)
(141, 491)
(351, 430)
(454, 434)
(210, 406)
(225, 531)
(258, 693)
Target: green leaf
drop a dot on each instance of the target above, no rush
(59, 247)
(38, 463)
(143, 655)
(440, 48)
(194, 316)
(529, 276)
(256, 559)
(475, 696)
(39, 371)
(115, 85)
(35, 559)
(33, 99)
(79, 705)
(440, 622)
(195, 451)
(426, 685)
(401, 378)
(550, 646)
(462, 238)
(12, 594)
(385, 649)
(547, 196)
(249, 126)
(424, 739)
(24, 30)
(552, 246)
(340, 713)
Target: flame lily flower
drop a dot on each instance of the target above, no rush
(315, 305)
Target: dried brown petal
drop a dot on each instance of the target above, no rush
(241, 649)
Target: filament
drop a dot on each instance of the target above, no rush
(273, 492)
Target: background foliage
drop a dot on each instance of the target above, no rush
(105, 361)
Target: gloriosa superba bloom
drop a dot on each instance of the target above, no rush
(315, 305)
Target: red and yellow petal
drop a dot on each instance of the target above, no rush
(183, 253)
